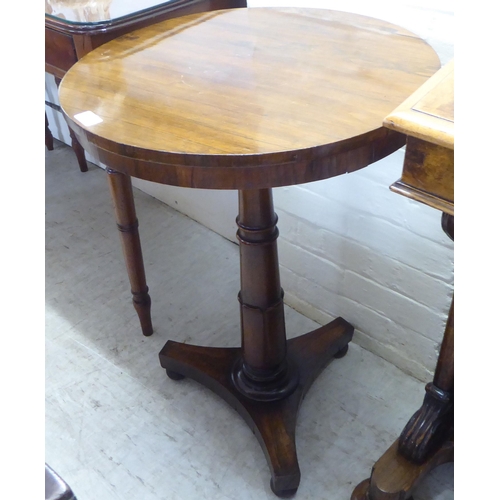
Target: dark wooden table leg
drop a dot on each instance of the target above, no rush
(76, 146)
(79, 152)
(427, 439)
(49, 139)
(267, 378)
(120, 186)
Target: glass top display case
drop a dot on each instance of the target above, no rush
(91, 13)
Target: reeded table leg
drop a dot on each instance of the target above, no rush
(427, 439)
(120, 186)
(266, 379)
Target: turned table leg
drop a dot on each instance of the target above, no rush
(427, 439)
(76, 146)
(267, 378)
(120, 186)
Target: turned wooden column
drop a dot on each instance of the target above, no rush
(264, 373)
(120, 186)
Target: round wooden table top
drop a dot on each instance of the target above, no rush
(246, 98)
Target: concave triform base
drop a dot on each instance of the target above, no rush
(273, 422)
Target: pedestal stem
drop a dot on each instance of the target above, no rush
(267, 378)
(264, 372)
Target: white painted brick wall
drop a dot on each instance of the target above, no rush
(349, 246)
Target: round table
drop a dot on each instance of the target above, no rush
(246, 99)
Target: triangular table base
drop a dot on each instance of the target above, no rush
(273, 422)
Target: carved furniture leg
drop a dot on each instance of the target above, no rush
(430, 426)
(120, 186)
(77, 147)
(395, 478)
(266, 379)
(49, 139)
(427, 439)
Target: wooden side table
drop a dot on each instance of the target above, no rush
(427, 118)
(75, 27)
(247, 99)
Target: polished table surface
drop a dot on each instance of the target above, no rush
(429, 113)
(246, 99)
(211, 99)
(427, 118)
(73, 28)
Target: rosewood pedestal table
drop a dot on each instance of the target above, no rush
(427, 117)
(75, 27)
(247, 99)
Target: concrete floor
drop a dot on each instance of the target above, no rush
(118, 429)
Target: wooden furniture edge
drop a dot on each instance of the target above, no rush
(419, 124)
(120, 22)
(413, 193)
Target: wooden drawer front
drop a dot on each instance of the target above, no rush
(59, 50)
(429, 168)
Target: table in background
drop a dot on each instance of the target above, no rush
(75, 27)
(427, 118)
(246, 99)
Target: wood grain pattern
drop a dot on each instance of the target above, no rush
(68, 40)
(208, 100)
(427, 118)
(60, 52)
(430, 168)
(428, 114)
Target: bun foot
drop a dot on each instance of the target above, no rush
(174, 375)
(283, 492)
(342, 352)
(361, 491)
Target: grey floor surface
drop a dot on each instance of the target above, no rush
(118, 429)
